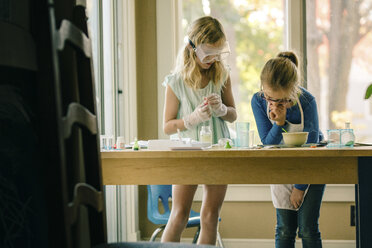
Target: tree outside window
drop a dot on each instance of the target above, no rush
(339, 70)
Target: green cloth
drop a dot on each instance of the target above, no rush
(189, 99)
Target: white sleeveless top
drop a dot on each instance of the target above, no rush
(189, 99)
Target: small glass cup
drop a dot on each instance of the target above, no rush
(110, 142)
(205, 135)
(244, 136)
(103, 142)
(334, 138)
(120, 143)
(347, 138)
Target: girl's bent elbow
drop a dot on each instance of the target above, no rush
(233, 117)
(165, 129)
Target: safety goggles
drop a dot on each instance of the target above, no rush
(272, 100)
(208, 53)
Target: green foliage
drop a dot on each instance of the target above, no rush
(368, 92)
(192, 10)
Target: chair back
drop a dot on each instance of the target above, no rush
(76, 210)
(154, 193)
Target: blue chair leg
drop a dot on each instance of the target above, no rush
(196, 236)
(156, 232)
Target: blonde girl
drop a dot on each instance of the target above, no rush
(198, 91)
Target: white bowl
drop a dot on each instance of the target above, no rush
(295, 139)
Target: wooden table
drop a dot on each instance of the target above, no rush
(251, 166)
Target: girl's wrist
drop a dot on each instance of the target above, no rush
(280, 123)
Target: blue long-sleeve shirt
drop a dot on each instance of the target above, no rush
(272, 134)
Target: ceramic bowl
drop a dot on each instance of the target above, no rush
(295, 138)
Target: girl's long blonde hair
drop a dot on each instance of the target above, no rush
(282, 73)
(203, 30)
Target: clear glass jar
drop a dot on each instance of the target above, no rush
(205, 135)
(347, 136)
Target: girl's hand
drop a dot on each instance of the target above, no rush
(201, 113)
(297, 197)
(217, 107)
(204, 112)
(278, 113)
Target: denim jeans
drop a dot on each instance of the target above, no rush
(305, 219)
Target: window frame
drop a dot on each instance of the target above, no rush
(296, 32)
(169, 41)
(117, 42)
(125, 73)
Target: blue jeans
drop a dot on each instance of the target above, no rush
(305, 219)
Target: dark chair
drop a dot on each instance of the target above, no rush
(159, 196)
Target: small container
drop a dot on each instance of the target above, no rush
(223, 141)
(334, 138)
(245, 138)
(135, 146)
(110, 142)
(341, 138)
(242, 134)
(103, 142)
(347, 136)
(205, 135)
(120, 143)
(295, 138)
(107, 142)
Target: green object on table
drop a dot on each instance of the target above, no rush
(284, 130)
(228, 146)
(135, 145)
(350, 143)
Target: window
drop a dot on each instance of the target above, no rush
(338, 44)
(111, 30)
(256, 33)
(94, 30)
(100, 31)
(111, 26)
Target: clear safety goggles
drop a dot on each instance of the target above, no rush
(208, 53)
(272, 100)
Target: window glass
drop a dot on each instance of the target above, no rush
(93, 30)
(255, 31)
(100, 32)
(339, 70)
